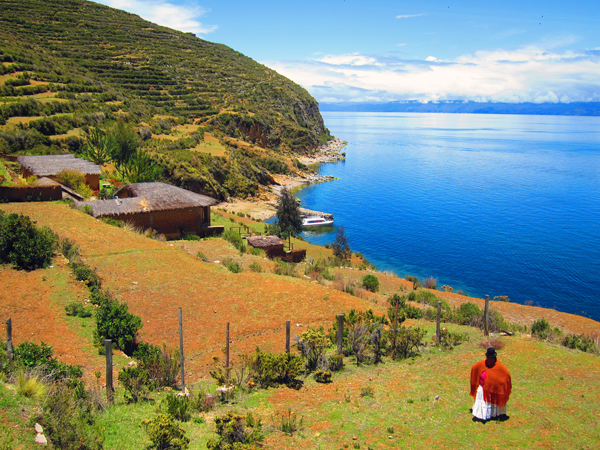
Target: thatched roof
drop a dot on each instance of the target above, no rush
(44, 181)
(264, 241)
(145, 197)
(49, 165)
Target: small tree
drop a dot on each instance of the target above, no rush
(371, 283)
(24, 245)
(340, 246)
(288, 216)
(99, 146)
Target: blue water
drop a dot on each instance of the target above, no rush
(490, 204)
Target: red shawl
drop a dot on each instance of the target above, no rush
(497, 385)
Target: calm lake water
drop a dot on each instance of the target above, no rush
(490, 204)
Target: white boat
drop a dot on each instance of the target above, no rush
(316, 221)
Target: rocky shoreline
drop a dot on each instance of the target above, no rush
(264, 206)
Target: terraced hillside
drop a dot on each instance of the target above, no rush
(70, 65)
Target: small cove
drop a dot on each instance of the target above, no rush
(490, 204)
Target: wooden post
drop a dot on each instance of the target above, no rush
(227, 354)
(181, 350)
(487, 315)
(340, 334)
(109, 370)
(287, 336)
(437, 323)
(9, 346)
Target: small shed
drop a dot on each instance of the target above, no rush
(51, 165)
(168, 209)
(273, 246)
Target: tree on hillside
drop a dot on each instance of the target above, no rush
(99, 146)
(288, 216)
(340, 246)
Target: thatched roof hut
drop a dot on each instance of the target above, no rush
(51, 165)
(265, 242)
(48, 165)
(168, 209)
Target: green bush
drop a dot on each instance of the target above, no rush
(272, 369)
(467, 312)
(234, 267)
(322, 376)
(234, 238)
(165, 433)
(162, 364)
(86, 274)
(115, 322)
(135, 381)
(407, 342)
(542, 330)
(284, 268)
(178, 406)
(581, 342)
(255, 267)
(75, 180)
(23, 244)
(312, 344)
(76, 309)
(371, 283)
(236, 432)
(30, 356)
(414, 280)
(69, 419)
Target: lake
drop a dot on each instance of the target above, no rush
(489, 204)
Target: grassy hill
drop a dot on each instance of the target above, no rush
(416, 403)
(68, 65)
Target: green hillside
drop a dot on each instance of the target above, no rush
(68, 65)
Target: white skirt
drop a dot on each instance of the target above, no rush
(484, 410)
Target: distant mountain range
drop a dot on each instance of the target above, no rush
(555, 109)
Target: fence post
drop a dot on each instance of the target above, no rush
(487, 315)
(287, 336)
(437, 322)
(227, 354)
(181, 350)
(9, 346)
(340, 334)
(109, 370)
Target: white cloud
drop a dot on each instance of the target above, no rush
(408, 16)
(528, 74)
(161, 12)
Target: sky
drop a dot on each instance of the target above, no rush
(382, 51)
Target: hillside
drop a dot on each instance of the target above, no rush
(416, 403)
(69, 65)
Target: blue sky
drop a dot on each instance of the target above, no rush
(359, 51)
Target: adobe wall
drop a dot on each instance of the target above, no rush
(30, 193)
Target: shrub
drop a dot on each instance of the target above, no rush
(115, 322)
(76, 309)
(257, 251)
(178, 406)
(467, 312)
(540, 328)
(75, 180)
(272, 369)
(414, 280)
(322, 376)
(581, 342)
(30, 387)
(340, 246)
(86, 274)
(502, 298)
(30, 356)
(234, 238)
(161, 364)
(234, 267)
(69, 421)
(312, 344)
(288, 422)
(430, 283)
(449, 340)
(68, 248)
(202, 402)
(255, 267)
(165, 434)
(407, 342)
(284, 268)
(135, 381)
(235, 432)
(24, 245)
(371, 283)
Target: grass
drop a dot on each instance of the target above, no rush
(30, 386)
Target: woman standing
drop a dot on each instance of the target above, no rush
(490, 387)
